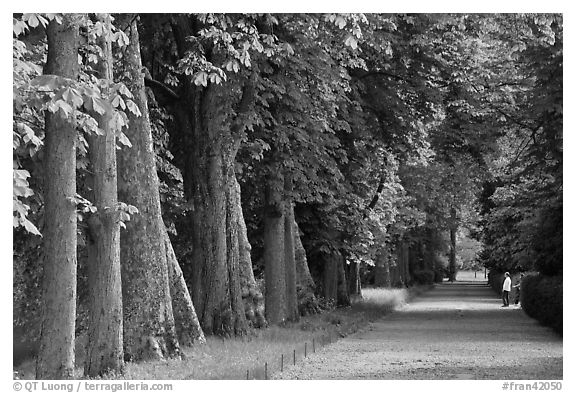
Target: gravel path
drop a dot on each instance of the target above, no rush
(454, 331)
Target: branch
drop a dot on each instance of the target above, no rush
(376, 196)
(246, 103)
(506, 115)
(154, 84)
(379, 72)
(437, 82)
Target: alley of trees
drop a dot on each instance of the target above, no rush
(183, 175)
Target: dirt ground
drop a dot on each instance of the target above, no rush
(454, 331)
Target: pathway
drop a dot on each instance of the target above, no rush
(454, 331)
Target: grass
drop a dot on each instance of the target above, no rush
(232, 358)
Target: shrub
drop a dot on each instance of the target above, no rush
(423, 277)
(495, 280)
(439, 273)
(541, 298)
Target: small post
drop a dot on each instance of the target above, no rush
(266, 370)
(294, 357)
(282, 362)
(247, 374)
(313, 346)
(305, 348)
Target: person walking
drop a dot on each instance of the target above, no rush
(517, 286)
(506, 286)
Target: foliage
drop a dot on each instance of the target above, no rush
(522, 205)
(74, 100)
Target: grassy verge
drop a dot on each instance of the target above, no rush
(234, 358)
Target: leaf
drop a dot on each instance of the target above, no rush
(132, 107)
(99, 105)
(123, 139)
(340, 22)
(118, 101)
(31, 19)
(63, 106)
(201, 79)
(47, 82)
(351, 41)
(73, 96)
(122, 89)
(215, 78)
(56, 17)
(18, 27)
(124, 216)
(31, 227)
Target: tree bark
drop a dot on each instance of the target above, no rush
(401, 269)
(210, 176)
(274, 242)
(343, 297)
(208, 140)
(187, 325)
(104, 353)
(307, 302)
(330, 278)
(56, 354)
(452, 260)
(289, 253)
(149, 327)
(354, 285)
(406, 263)
(382, 269)
(251, 295)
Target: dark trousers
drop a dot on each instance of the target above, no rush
(505, 298)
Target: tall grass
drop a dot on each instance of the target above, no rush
(231, 358)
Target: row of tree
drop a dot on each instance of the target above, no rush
(201, 174)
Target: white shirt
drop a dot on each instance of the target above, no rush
(507, 284)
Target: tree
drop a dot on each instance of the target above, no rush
(152, 281)
(212, 110)
(56, 354)
(104, 350)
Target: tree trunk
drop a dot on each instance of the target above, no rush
(274, 242)
(289, 253)
(343, 297)
(104, 353)
(307, 302)
(354, 285)
(452, 260)
(402, 267)
(382, 269)
(211, 139)
(216, 254)
(251, 294)
(330, 278)
(233, 227)
(149, 330)
(56, 354)
(187, 325)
